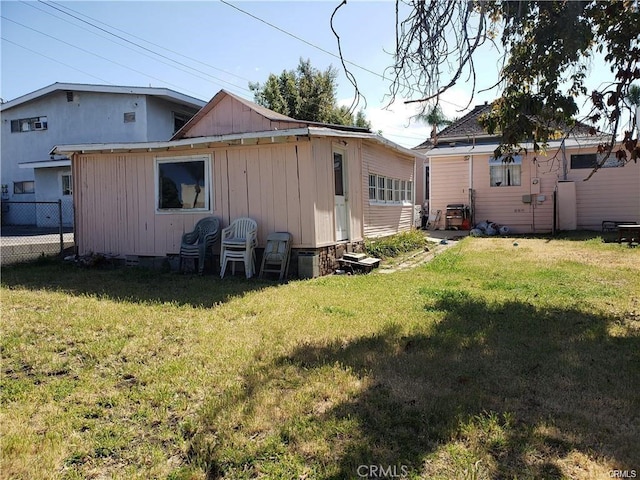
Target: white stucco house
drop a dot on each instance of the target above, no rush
(76, 113)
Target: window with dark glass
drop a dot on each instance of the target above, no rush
(183, 184)
(29, 124)
(28, 186)
(338, 173)
(588, 160)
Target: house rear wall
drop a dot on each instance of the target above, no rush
(379, 219)
(115, 198)
(610, 194)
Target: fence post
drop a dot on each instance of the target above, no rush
(60, 226)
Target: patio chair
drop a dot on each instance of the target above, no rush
(238, 243)
(276, 254)
(199, 243)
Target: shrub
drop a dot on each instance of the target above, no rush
(394, 245)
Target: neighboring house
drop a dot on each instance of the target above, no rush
(330, 186)
(76, 113)
(460, 168)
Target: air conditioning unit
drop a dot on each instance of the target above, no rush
(38, 125)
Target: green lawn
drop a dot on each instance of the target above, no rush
(492, 361)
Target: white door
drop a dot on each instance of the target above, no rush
(341, 209)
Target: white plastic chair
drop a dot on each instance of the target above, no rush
(276, 254)
(237, 244)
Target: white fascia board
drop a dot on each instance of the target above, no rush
(182, 144)
(46, 164)
(583, 142)
(328, 132)
(82, 87)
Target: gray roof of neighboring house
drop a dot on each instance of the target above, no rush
(164, 93)
(468, 130)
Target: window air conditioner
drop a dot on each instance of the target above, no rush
(38, 125)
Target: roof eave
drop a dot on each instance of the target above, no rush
(182, 144)
(165, 93)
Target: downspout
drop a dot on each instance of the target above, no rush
(471, 193)
(413, 193)
(75, 178)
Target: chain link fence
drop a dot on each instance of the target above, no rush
(34, 229)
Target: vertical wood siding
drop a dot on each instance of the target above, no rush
(231, 116)
(383, 220)
(284, 187)
(324, 214)
(115, 198)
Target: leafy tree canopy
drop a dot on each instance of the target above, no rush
(549, 47)
(306, 94)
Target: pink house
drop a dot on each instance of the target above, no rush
(329, 186)
(533, 194)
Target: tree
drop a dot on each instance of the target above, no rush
(306, 94)
(549, 46)
(435, 117)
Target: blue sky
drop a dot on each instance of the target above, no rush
(198, 48)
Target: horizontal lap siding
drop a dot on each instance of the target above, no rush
(610, 194)
(449, 183)
(115, 202)
(504, 205)
(383, 220)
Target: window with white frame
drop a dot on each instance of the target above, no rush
(505, 173)
(390, 191)
(29, 124)
(396, 190)
(67, 184)
(373, 184)
(183, 184)
(381, 184)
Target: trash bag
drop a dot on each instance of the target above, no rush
(492, 229)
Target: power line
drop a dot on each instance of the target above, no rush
(96, 55)
(320, 48)
(143, 39)
(139, 46)
(55, 60)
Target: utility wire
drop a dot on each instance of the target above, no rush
(56, 60)
(96, 55)
(139, 46)
(49, 4)
(339, 57)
